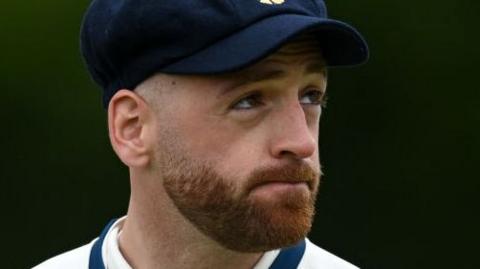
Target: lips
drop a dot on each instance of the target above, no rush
(288, 176)
(284, 184)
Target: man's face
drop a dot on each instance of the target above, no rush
(238, 153)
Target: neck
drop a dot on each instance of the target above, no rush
(156, 235)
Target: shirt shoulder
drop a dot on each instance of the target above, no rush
(316, 258)
(74, 259)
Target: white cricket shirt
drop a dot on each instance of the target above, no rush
(312, 257)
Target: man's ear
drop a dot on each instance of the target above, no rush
(130, 126)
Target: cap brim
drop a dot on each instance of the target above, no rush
(340, 43)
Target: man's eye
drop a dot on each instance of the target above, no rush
(314, 97)
(248, 102)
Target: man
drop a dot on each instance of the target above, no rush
(214, 106)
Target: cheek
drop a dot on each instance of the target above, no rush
(242, 157)
(207, 138)
(235, 151)
(316, 156)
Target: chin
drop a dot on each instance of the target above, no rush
(271, 226)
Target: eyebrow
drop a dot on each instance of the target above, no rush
(269, 74)
(253, 76)
(317, 67)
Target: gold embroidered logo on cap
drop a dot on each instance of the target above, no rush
(272, 2)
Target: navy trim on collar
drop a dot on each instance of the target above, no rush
(289, 258)
(96, 259)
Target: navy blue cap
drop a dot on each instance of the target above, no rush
(126, 41)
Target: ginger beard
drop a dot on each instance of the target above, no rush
(228, 209)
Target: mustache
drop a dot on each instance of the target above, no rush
(291, 173)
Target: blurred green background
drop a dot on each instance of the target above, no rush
(399, 139)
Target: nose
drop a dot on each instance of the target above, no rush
(292, 137)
